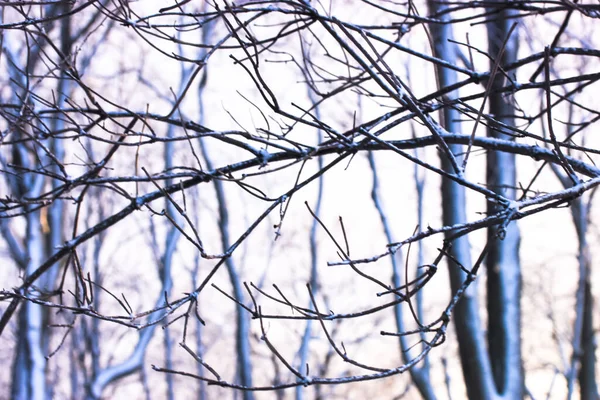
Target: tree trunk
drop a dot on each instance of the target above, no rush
(503, 265)
(471, 343)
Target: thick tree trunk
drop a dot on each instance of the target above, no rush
(587, 373)
(503, 265)
(584, 344)
(471, 342)
(29, 366)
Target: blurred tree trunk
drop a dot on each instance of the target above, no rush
(586, 351)
(242, 330)
(242, 333)
(587, 373)
(304, 350)
(503, 264)
(29, 367)
(166, 261)
(44, 228)
(420, 375)
(471, 341)
(583, 344)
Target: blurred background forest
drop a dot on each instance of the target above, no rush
(353, 199)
